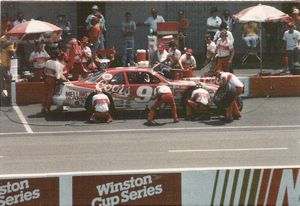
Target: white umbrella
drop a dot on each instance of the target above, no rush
(33, 27)
(261, 13)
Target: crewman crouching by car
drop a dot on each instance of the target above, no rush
(198, 102)
(53, 76)
(100, 103)
(229, 78)
(163, 96)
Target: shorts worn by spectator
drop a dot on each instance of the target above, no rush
(292, 40)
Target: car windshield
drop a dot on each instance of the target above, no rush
(94, 77)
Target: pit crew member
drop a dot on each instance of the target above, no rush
(225, 52)
(53, 76)
(187, 63)
(163, 96)
(100, 103)
(198, 102)
(233, 110)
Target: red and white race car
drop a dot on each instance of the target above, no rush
(128, 88)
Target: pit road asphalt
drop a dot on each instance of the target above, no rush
(268, 134)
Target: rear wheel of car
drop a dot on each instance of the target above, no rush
(224, 96)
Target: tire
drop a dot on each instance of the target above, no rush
(187, 95)
(88, 103)
(224, 96)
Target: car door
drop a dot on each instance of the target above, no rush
(142, 88)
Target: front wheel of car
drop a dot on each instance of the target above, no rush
(224, 96)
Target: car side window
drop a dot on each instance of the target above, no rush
(118, 79)
(142, 78)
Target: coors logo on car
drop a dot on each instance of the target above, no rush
(148, 189)
(29, 192)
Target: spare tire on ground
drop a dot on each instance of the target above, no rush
(224, 96)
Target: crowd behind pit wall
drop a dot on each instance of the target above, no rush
(84, 55)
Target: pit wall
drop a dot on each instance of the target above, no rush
(255, 86)
(188, 188)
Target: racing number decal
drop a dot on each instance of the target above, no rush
(144, 94)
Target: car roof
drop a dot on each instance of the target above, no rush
(129, 69)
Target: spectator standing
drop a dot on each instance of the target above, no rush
(20, 19)
(210, 49)
(227, 19)
(250, 36)
(53, 75)
(187, 63)
(184, 25)
(213, 22)
(223, 27)
(101, 104)
(296, 18)
(38, 58)
(94, 35)
(7, 51)
(153, 20)
(128, 31)
(101, 20)
(87, 58)
(163, 96)
(224, 52)
(292, 40)
(6, 24)
(65, 25)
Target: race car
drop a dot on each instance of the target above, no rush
(129, 88)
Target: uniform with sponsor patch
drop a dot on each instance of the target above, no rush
(164, 96)
(53, 72)
(38, 59)
(188, 63)
(233, 110)
(224, 49)
(101, 104)
(198, 102)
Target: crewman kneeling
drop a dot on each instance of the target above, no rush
(100, 103)
(233, 111)
(163, 96)
(198, 102)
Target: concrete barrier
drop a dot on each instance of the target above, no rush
(256, 186)
(275, 86)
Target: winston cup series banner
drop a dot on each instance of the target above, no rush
(192, 188)
(148, 189)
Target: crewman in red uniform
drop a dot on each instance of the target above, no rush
(163, 96)
(53, 75)
(198, 102)
(101, 103)
(233, 110)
